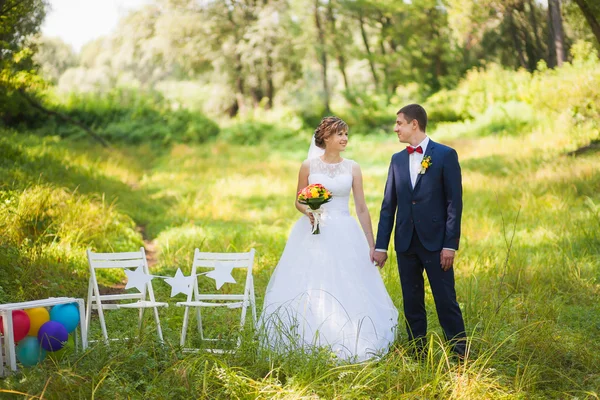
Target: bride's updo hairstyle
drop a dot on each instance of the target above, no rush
(329, 126)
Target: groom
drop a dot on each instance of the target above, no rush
(423, 194)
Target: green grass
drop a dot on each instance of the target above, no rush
(527, 273)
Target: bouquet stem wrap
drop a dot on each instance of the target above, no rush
(317, 215)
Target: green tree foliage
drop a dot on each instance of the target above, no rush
(54, 57)
(19, 20)
(311, 56)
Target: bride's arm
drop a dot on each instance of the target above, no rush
(362, 211)
(302, 183)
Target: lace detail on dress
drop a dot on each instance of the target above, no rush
(318, 166)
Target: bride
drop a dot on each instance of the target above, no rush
(325, 290)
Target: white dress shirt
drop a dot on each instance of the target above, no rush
(414, 161)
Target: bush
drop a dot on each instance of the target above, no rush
(369, 113)
(500, 101)
(132, 117)
(254, 132)
(511, 118)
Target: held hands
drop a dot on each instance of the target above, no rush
(378, 257)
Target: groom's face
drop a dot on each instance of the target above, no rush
(404, 129)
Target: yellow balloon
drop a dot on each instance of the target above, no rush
(38, 317)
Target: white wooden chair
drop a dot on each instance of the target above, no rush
(213, 297)
(97, 301)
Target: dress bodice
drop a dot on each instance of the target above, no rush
(337, 178)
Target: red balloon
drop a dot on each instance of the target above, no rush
(21, 324)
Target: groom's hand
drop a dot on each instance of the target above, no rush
(447, 259)
(379, 257)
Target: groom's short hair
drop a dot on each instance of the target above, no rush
(415, 111)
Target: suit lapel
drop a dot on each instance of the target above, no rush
(405, 168)
(428, 152)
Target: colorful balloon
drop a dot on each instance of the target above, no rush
(66, 314)
(21, 324)
(38, 317)
(53, 335)
(29, 352)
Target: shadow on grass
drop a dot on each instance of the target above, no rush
(20, 168)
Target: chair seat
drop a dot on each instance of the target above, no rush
(237, 304)
(143, 304)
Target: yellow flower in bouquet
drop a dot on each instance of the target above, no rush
(314, 196)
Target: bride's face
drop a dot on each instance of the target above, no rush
(337, 142)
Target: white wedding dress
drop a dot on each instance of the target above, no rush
(325, 291)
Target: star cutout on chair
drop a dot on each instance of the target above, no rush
(180, 283)
(137, 279)
(221, 274)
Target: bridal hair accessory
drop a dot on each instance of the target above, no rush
(314, 151)
(314, 196)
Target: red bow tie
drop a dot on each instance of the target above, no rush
(411, 149)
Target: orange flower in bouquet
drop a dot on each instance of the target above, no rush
(314, 196)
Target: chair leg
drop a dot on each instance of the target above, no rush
(83, 326)
(244, 310)
(102, 322)
(140, 321)
(158, 328)
(253, 304)
(199, 320)
(184, 326)
(88, 311)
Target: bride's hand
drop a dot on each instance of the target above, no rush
(310, 216)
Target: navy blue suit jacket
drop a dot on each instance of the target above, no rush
(433, 208)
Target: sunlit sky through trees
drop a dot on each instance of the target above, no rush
(78, 21)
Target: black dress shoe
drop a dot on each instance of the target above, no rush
(418, 349)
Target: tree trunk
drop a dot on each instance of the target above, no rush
(534, 27)
(557, 37)
(270, 87)
(239, 83)
(338, 49)
(590, 18)
(239, 78)
(516, 40)
(322, 55)
(369, 54)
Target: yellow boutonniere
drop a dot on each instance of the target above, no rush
(426, 163)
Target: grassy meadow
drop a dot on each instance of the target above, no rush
(527, 273)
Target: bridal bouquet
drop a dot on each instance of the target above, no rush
(314, 196)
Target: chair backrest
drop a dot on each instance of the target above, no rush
(132, 260)
(204, 262)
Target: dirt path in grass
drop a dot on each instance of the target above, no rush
(150, 247)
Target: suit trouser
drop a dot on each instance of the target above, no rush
(410, 265)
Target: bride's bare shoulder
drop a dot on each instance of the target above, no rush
(305, 166)
(352, 163)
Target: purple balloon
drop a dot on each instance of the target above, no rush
(53, 336)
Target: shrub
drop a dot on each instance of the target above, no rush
(254, 132)
(132, 117)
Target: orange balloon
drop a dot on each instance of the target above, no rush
(38, 317)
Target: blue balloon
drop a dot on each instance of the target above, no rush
(30, 352)
(53, 336)
(67, 315)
